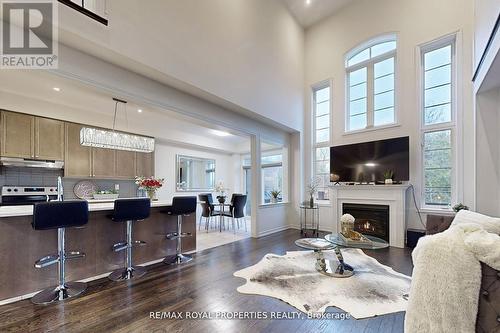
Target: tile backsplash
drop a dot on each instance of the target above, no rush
(19, 176)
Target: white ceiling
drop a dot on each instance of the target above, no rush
(91, 102)
(309, 13)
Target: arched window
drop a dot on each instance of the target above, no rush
(370, 70)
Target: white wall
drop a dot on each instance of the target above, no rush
(488, 153)
(249, 53)
(414, 22)
(226, 169)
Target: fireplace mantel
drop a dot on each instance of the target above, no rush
(393, 196)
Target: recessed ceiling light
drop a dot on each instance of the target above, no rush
(220, 133)
(56, 89)
(139, 110)
(308, 2)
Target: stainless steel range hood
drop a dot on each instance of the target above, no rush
(29, 163)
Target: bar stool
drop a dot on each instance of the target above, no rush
(59, 215)
(129, 211)
(181, 206)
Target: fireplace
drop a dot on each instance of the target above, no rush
(370, 220)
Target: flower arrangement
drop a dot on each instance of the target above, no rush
(312, 188)
(150, 185)
(219, 188)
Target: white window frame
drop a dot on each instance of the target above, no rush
(370, 96)
(451, 125)
(325, 144)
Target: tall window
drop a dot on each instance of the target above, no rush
(370, 85)
(438, 124)
(321, 139)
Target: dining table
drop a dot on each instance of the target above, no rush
(221, 212)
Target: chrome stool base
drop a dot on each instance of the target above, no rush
(53, 294)
(122, 274)
(177, 259)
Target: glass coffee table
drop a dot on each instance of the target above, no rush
(342, 269)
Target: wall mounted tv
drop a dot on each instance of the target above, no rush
(367, 161)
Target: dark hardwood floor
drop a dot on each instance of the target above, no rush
(205, 284)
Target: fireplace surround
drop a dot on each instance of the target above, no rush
(393, 196)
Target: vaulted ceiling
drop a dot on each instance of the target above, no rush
(309, 12)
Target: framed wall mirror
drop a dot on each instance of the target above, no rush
(195, 173)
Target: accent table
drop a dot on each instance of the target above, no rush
(313, 212)
(343, 269)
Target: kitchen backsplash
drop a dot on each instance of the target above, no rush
(18, 176)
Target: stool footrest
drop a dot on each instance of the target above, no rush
(119, 246)
(74, 255)
(47, 261)
(175, 235)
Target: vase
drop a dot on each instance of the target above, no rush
(151, 194)
(221, 199)
(274, 200)
(388, 181)
(311, 201)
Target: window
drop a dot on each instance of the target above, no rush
(438, 124)
(272, 177)
(321, 138)
(370, 85)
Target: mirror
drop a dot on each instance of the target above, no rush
(195, 173)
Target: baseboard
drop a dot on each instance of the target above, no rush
(273, 230)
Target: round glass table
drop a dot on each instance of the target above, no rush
(342, 269)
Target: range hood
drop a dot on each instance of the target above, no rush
(29, 163)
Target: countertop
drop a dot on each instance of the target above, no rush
(10, 211)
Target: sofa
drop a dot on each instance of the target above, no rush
(488, 317)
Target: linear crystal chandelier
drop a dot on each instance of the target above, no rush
(111, 139)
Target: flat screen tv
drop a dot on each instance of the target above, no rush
(367, 161)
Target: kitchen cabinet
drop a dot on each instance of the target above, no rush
(17, 135)
(103, 163)
(49, 139)
(25, 136)
(145, 164)
(77, 158)
(125, 164)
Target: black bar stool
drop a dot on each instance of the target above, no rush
(181, 206)
(59, 215)
(129, 211)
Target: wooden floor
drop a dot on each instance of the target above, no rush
(205, 284)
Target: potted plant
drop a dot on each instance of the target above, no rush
(311, 189)
(388, 174)
(459, 206)
(274, 195)
(106, 195)
(150, 185)
(222, 192)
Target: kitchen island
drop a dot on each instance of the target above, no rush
(21, 246)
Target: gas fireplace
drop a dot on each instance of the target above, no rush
(370, 220)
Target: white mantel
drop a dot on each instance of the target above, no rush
(393, 196)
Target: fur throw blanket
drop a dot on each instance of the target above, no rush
(446, 277)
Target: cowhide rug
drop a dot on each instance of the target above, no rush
(374, 289)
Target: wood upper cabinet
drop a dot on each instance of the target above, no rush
(103, 163)
(49, 139)
(77, 158)
(125, 164)
(145, 165)
(17, 135)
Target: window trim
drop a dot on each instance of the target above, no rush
(452, 125)
(324, 144)
(370, 95)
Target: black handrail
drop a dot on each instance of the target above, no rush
(84, 11)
